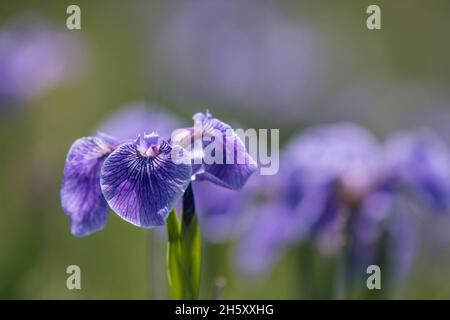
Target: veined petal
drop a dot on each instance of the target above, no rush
(226, 161)
(81, 196)
(142, 183)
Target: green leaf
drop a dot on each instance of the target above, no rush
(184, 250)
(190, 245)
(191, 253)
(175, 271)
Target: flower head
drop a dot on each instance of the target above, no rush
(141, 180)
(327, 172)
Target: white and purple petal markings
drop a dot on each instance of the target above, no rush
(142, 183)
(143, 180)
(222, 158)
(81, 196)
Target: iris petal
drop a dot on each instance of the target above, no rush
(81, 196)
(229, 175)
(420, 162)
(142, 183)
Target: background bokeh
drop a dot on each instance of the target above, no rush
(261, 64)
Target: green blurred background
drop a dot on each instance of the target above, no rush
(390, 79)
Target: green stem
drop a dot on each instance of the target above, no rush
(174, 263)
(191, 244)
(184, 250)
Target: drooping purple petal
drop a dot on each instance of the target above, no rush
(420, 163)
(142, 183)
(368, 227)
(81, 196)
(224, 159)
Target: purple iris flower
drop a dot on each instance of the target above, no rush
(35, 56)
(327, 171)
(265, 243)
(343, 190)
(141, 180)
(341, 163)
(415, 178)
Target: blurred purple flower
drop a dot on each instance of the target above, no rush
(419, 164)
(343, 188)
(340, 164)
(266, 241)
(326, 170)
(36, 56)
(416, 177)
(402, 238)
(225, 215)
(368, 227)
(219, 210)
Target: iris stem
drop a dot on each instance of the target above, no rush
(184, 250)
(191, 244)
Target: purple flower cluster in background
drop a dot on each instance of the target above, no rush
(139, 179)
(343, 189)
(36, 56)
